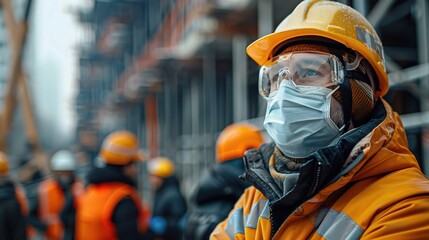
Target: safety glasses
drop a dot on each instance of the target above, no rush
(307, 68)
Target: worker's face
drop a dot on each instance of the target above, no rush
(302, 114)
(155, 181)
(65, 177)
(304, 69)
(131, 171)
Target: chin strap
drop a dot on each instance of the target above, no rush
(347, 95)
(346, 98)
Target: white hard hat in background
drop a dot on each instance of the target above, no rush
(63, 160)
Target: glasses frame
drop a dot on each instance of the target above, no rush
(337, 70)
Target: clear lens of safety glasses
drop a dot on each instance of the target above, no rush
(309, 68)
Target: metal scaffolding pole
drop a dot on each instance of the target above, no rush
(265, 17)
(171, 116)
(422, 19)
(210, 104)
(415, 120)
(361, 6)
(265, 26)
(194, 152)
(408, 75)
(239, 63)
(379, 11)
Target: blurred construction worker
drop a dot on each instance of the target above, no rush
(340, 167)
(111, 207)
(169, 204)
(12, 219)
(220, 186)
(33, 167)
(47, 213)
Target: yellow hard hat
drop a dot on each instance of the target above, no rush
(235, 139)
(4, 164)
(161, 167)
(331, 20)
(120, 148)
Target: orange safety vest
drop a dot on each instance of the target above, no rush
(51, 202)
(94, 213)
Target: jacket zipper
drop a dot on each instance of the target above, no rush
(345, 170)
(316, 182)
(272, 223)
(273, 235)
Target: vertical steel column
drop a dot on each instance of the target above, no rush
(422, 20)
(196, 100)
(361, 6)
(185, 142)
(172, 116)
(265, 26)
(239, 78)
(210, 104)
(265, 17)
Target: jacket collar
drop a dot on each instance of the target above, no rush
(108, 173)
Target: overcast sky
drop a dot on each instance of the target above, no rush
(52, 64)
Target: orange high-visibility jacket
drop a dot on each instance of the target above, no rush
(385, 196)
(51, 202)
(94, 213)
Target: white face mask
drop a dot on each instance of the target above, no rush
(298, 119)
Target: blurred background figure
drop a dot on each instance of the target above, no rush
(220, 186)
(169, 205)
(12, 219)
(33, 166)
(111, 207)
(47, 212)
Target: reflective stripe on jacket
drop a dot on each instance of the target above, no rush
(93, 219)
(385, 196)
(51, 202)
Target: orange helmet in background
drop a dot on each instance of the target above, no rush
(161, 167)
(120, 148)
(4, 165)
(330, 20)
(235, 139)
